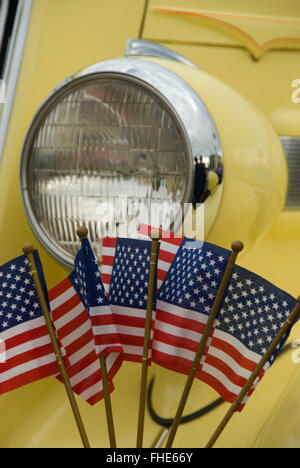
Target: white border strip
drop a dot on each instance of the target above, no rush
(13, 64)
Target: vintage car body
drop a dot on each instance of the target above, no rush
(247, 66)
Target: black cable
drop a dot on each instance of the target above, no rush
(167, 422)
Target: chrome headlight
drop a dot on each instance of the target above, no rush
(125, 127)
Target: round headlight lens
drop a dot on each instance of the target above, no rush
(111, 145)
(106, 138)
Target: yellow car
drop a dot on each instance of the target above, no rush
(103, 100)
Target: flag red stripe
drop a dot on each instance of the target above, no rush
(59, 289)
(71, 326)
(166, 256)
(176, 341)
(29, 335)
(108, 260)
(180, 322)
(81, 342)
(226, 370)
(29, 377)
(109, 241)
(27, 356)
(234, 353)
(68, 305)
(218, 386)
(175, 363)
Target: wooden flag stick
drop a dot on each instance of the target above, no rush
(28, 250)
(248, 385)
(82, 232)
(236, 246)
(155, 236)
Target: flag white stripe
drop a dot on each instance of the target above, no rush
(26, 367)
(161, 265)
(69, 316)
(168, 247)
(24, 347)
(110, 360)
(22, 328)
(121, 329)
(128, 312)
(178, 331)
(173, 351)
(91, 391)
(81, 375)
(234, 366)
(62, 298)
(81, 353)
(106, 269)
(100, 310)
(73, 336)
(252, 356)
(222, 379)
(108, 251)
(181, 312)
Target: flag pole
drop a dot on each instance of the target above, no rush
(247, 387)
(82, 232)
(155, 236)
(28, 250)
(236, 247)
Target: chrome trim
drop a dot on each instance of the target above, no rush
(194, 120)
(13, 63)
(3, 16)
(153, 49)
(291, 146)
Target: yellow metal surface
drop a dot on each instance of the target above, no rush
(218, 54)
(258, 26)
(63, 37)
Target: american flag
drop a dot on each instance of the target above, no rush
(128, 294)
(26, 350)
(85, 326)
(252, 313)
(169, 245)
(184, 302)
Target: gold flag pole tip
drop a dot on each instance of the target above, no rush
(237, 246)
(156, 234)
(82, 232)
(28, 248)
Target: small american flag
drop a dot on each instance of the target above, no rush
(26, 350)
(251, 315)
(128, 294)
(85, 326)
(169, 246)
(185, 301)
